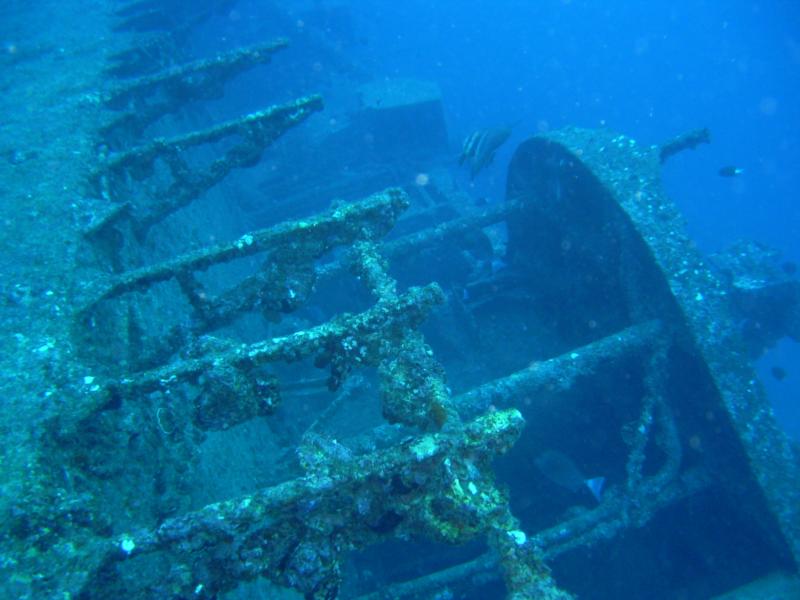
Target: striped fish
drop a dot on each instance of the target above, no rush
(480, 146)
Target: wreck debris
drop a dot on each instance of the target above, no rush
(413, 243)
(432, 476)
(687, 141)
(561, 372)
(146, 15)
(764, 293)
(284, 533)
(589, 175)
(187, 80)
(643, 495)
(469, 223)
(413, 387)
(131, 461)
(336, 338)
(591, 528)
(662, 344)
(255, 131)
(308, 238)
(414, 392)
(633, 506)
(163, 29)
(152, 55)
(146, 99)
(368, 337)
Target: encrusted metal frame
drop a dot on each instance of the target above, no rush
(437, 484)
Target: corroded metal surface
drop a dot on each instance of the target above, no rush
(308, 238)
(296, 533)
(625, 180)
(254, 133)
(127, 394)
(438, 486)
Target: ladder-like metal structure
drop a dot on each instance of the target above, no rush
(436, 485)
(585, 211)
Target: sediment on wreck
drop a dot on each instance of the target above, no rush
(242, 354)
(116, 412)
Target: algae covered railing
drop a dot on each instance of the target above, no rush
(437, 485)
(295, 533)
(146, 99)
(254, 132)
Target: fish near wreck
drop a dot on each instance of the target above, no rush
(560, 469)
(730, 171)
(480, 146)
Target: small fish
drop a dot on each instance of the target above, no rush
(778, 373)
(730, 171)
(560, 469)
(479, 148)
(789, 267)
